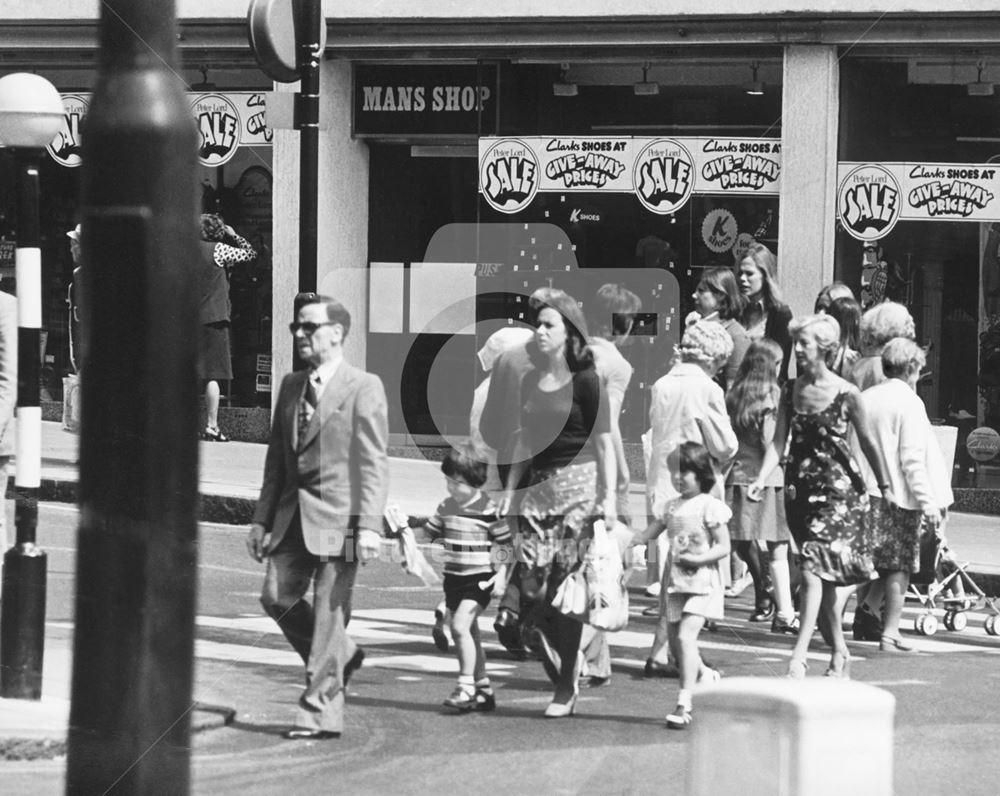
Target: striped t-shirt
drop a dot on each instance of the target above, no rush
(468, 533)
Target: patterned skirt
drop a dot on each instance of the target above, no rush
(895, 536)
(555, 515)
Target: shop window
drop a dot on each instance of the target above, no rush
(923, 121)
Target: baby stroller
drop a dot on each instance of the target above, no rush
(943, 582)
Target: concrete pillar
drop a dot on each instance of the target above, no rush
(343, 208)
(343, 219)
(285, 240)
(810, 106)
(761, 736)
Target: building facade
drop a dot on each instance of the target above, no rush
(471, 153)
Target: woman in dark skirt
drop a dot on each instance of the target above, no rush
(221, 249)
(566, 435)
(918, 479)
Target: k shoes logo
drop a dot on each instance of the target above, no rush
(869, 203)
(663, 176)
(219, 125)
(578, 215)
(508, 176)
(65, 147)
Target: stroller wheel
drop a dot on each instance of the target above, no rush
(956, 620)
(991, 625)
(926, 624)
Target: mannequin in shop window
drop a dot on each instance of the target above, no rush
(221, 249)
(991, 274)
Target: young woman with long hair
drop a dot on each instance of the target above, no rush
(752, 402)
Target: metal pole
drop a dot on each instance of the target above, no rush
(22, 623)
(308, 18)
(136, 568)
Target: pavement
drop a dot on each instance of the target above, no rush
(230, 480)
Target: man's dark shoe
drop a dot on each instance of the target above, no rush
(866, 626)
(353, 665)
(508, 628)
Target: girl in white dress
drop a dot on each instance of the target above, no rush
(692, 590)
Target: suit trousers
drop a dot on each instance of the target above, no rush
(317, 632)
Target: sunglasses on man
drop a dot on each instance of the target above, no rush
(308, 327)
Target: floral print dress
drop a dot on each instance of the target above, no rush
(826, 502)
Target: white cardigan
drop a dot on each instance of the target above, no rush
(918, 477)
(686, 406)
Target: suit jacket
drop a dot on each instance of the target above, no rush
(8, 372)
(337, 476)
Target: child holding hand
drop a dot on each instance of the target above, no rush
(692, 591)
(474, 540)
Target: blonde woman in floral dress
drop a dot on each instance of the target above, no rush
(826, 500)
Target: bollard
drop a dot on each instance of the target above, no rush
(763, 736)
(22, 614)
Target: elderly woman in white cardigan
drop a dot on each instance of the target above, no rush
(919, 482)
(687, 406)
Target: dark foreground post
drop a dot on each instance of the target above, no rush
(136, 569)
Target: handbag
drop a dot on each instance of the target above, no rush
(606, 589)
(571, 597)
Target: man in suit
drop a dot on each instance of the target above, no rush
(320, 510)
(8, 399)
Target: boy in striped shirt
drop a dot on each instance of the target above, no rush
(475, 540)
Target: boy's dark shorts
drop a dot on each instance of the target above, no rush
(466, 587)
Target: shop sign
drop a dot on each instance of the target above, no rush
(868, 202)
(663, 176)
(873, 197)
(509, 175)
(65, 147)
(983, 443)
(663, 173)
(719, 230)
(226, 121)
(743, 243)
(423, 101)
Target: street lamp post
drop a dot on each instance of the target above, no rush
(31, 112)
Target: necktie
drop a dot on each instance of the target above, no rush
(306, 408)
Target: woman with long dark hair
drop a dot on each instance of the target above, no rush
(566, 436)
(753, 409)
(765, 315)
(847, 312)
